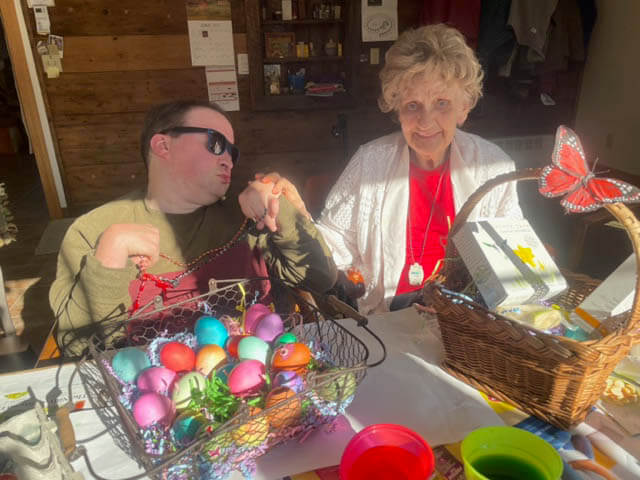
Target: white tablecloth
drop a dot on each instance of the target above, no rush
(408, 388)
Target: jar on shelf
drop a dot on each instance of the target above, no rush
(331, 48)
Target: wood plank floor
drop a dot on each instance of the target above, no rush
(27, 276)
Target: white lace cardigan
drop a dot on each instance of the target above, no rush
(365, 216)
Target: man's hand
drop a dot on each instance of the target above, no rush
(259, 203)
(283, 186)
(119, 242)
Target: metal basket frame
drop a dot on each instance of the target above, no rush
(349, 353)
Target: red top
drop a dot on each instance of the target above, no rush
(423, 185)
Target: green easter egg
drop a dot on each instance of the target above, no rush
(339, 387)
(287, 337)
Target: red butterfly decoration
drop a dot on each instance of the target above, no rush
(569, 174)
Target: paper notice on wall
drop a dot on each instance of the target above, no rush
(210, 32)
(211, 43)
(58, 41)
(222, 87)
(43, 25)
(379, 20)
(46, 3)
(243, 64)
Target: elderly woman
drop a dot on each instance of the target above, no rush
(391, 210)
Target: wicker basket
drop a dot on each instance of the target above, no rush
(250, 432)
(552, 377)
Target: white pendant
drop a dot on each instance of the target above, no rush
(416, 274)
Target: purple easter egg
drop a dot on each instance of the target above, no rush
(156, 379)
(289, 379)
(270, 327)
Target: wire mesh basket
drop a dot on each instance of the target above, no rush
(219, 432)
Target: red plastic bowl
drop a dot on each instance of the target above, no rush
(386, 452)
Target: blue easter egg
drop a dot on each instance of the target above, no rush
(129, 362)
(209, 331)
(223, 372)
(185, 429)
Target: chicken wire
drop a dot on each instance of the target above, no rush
(235, 444)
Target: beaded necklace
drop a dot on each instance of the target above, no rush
(165, 284)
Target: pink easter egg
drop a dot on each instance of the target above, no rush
(156, 379)
(246, 378)
(269, 327)
(153, 408)
(178, 357)
(253, 316)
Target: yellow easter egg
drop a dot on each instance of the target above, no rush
(183, 388)
(254, 432)
(285, 405)
(209, 358)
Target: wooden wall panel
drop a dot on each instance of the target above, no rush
(96, 183)
(122, 17)
(123, 57)
(272, 132)
(113, 92)
(125, 53)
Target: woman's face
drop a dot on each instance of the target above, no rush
(429, 113)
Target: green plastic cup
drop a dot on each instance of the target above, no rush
(509, 453)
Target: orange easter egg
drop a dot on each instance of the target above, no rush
(209, 358)
(287, 407)
(254, 432)
(292, 356)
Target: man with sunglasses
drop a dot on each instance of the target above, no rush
(171, 238)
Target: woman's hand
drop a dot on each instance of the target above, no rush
(283, 186)
(259, 203)
(140, 243)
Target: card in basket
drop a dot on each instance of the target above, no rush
(508, 262)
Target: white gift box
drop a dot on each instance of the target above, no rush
(612, 297)
(508, 262)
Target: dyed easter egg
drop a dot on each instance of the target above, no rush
(209, 330)
(156, 379)
(254, 313)
(292, 356)
(246, 378)
(129, 362)
(289, 379)
(153, 408)
(339, 388)
(254, 432)
(209, 358)
(287, 407)
(253, 348)
(269, 327)
(286, 337)
(185, 428)
(232, 344)
(223, 372)
(178, 357)
(183, 387)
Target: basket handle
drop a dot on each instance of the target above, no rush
(619, 211)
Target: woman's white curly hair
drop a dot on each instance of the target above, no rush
(431, 50)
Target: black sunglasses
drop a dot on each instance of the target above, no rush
(217, 145)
